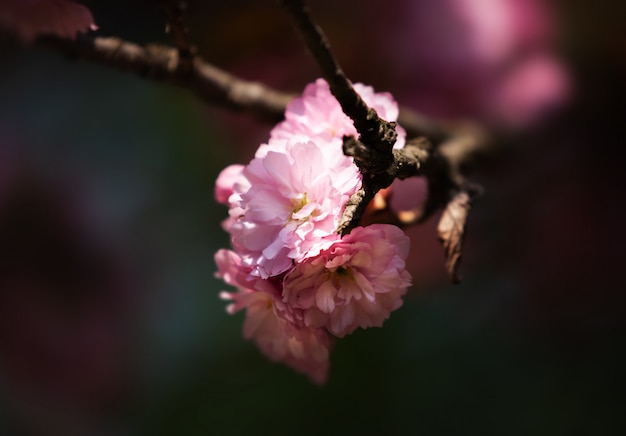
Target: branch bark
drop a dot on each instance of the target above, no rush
(375, 133)
(212, 84)
(161, 63)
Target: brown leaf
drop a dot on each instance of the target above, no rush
(451, 230)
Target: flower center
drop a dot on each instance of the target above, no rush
(341, 274)
(302, 209)
(298, 204)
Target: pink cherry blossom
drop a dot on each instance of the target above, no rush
(318, 114)
(357, 282)
(297, 279)
(292, 208)
(528, 92)
(304, 349)
(478, 58)
(226, 181)
(231, 180)
(29, 19)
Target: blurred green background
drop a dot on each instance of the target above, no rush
(131, 338)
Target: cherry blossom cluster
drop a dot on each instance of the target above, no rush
(299, 280)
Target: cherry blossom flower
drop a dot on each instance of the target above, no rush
(231, 181)
(304, 349)
(297, 278)
(296, 197)
(318, 114)
(357, 282)
(29, 19)
(226, 181)
(493, 60)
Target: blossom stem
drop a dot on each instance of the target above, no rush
(176, 26)
(375, 133)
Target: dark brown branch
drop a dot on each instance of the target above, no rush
(462, 149)
(417, 158)
(213, 85)
(355, 208)
(379, 164)
(457, 156)
(444, 167)
(161, 63)
(375, 133)
(373, 151)
(417, 125)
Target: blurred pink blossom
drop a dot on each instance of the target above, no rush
(29, 19)
(529, 90)
(357, 282)
(488, 59)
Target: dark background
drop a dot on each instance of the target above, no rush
(110, 321)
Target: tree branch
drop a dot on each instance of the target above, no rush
(161, 63)
(380, 164)
(211, 84)
(417, 158)
(375, 133)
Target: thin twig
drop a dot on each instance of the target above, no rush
(180, 33)
(212, 84)
(417, 158)
(375, 133)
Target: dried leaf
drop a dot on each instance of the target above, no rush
(451, 230)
